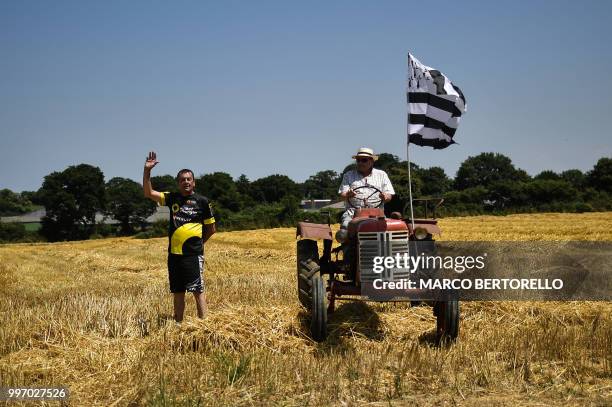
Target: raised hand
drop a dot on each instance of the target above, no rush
(151, 160)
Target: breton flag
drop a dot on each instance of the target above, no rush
(435, 106)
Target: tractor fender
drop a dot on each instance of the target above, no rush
(307, 230)
(431, 228)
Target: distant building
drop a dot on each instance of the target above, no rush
(30, 220)
(314, 204)
(33, 220)
(335, 205)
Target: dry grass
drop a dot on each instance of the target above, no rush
(95, 316)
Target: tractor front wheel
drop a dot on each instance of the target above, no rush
(318, 322)
(447, 321)
(311, 287)
(307, 267)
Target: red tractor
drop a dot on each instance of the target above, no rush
(341, 273)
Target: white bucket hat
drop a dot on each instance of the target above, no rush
(366, 152)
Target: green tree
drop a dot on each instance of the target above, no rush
(220, 188)
(322, 185)
(398, 175)
(243, 186)
(386, 161)
(505, 194)
(290, 208)
(273, 188)
(574, 177)
(467, 201)
(546, 191)
(548, 174)
(12, 203)
(71, 199)
(600, 177)
(164, 183)
(126, 203)
(434, 181)
(486, 168)
(31, 196)
(12, 232)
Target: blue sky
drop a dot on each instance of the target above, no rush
(294, 87)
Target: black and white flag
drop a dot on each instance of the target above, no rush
(435, 106)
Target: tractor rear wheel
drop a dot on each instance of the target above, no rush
(447, 321)
(318, 322)
(307, 268)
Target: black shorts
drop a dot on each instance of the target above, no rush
(185, 273)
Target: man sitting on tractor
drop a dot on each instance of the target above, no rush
(354, 188)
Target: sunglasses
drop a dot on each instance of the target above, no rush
(362, 160)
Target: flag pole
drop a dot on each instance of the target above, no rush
(408, 159)
(408, 142)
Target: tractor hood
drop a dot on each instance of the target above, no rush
(376, 224)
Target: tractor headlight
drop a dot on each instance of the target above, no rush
(420, 233)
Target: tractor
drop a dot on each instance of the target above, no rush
(342, 272)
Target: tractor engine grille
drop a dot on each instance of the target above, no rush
(384, 244)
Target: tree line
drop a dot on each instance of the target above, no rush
(487, 183)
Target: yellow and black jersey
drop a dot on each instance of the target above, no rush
(187, 214)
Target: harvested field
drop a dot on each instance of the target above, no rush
(95, 316)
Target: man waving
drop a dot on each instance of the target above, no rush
(191, 224)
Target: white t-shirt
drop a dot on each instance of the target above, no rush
(353, 179)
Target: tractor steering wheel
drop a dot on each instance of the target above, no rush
(364, 201)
